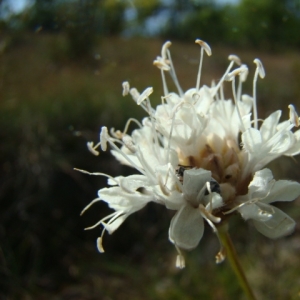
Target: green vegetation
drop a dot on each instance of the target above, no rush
(261, 24)
(50, 106)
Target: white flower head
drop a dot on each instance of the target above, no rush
(189, 158)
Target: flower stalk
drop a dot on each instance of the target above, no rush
(234, 261)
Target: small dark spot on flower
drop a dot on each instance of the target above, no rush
(141, 190)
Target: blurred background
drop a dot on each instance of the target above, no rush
(62, 63)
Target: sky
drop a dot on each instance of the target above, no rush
(18, 5)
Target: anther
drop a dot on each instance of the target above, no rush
(235, 58)
(207, 49)
(260, 68)
(90, 146)
(221, 255)
(180, 262)
(244, 73)
(261, 72)
(99, 244)
(103, 138)
(294, 118)
(238, 71)
(205, 46)
(145, 94)
(126, 88)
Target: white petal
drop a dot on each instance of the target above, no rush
(260, 184)
(268, 127)
(125, 161)
(280, 143)
(172, 201)
(279, 225)
(118, 199)
(115, 224)
(216, 202)
(295, 149)
(254, 212)
(193, 181)
(186, 228)
(283, 190)
(252, 140)
(133, 182)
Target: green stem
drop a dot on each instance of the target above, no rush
(234, 262)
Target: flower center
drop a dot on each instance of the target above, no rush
(224, 159)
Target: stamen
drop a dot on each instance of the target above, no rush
(223, 77)
(208, 187)
(161, 61)
(103, 138)
(145, 94)
(97, 174)
(173, 75)
(207, 215)
(210, 195)
(165, 87)
(126, 88)
(237, 106)
(261, 72)
(145, 164)
(180, 261)
(237, 71)
(204, 46)
(89, 205)
(112, 144)
(101, 222)
(164, 49)
(91, 148)
(170, 137)
(213, 86)
(235, 58)
(242, 78)
(135, 96)
(231, 77)
(163, 64)
(113, 217)
(293, 116)
(220, 256)
(99, 244)
(244, 73)
(260, 68)
(118, 134)
(163, 187)
(127, 140)
(249, 201)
